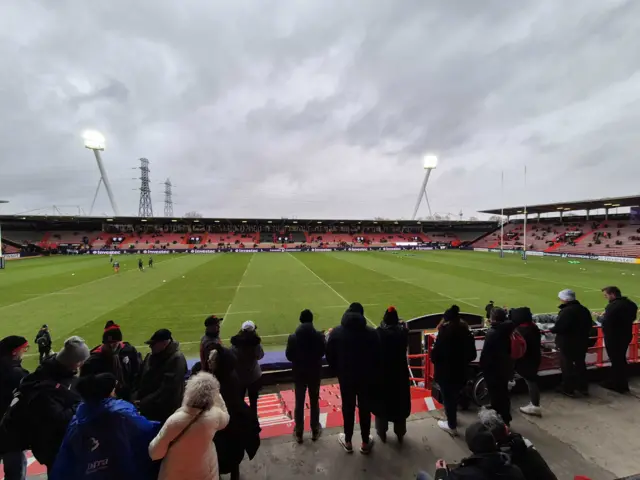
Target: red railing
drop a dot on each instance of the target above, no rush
(596, 356)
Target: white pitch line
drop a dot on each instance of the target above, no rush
(325, 283)
(247, 312)
(240, 284)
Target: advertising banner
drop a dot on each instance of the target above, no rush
(204, 251)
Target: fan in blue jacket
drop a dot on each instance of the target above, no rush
(107, 438)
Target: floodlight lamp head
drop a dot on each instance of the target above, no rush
(93, 140)
(430, 162)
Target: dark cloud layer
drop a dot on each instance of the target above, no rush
(319, 108)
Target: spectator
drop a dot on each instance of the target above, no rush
(305, 350)
(184, 443)
(246, 345)
(488, 309)
(114, 356)
(161, 384)
(496, 362)
(106, 437)
(617, 327)
(242, 434)
(521, 451)
(46, 403)
(12, 349)
(572, 330)
(43, 340)
(353, 352)
(528, 366)
(453, 351)
(395, 402)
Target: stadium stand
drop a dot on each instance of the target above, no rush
(23, 237)
(70, 238)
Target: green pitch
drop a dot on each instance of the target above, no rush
(77, 295)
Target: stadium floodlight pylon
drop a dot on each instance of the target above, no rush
(145, 208)
(430, 163)
(168, 198)
(95, 141)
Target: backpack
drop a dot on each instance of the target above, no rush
(518, 345)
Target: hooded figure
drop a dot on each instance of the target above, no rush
(114, 356)
(43, 341)
(184, 443)
(246, 346)
(527, 366)
(395, 403)
(452, 352)
(107, 438)
(353, 352)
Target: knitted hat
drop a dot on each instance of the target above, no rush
(12, 343)
(391, 316)
(479, 439)
(452, 313)
(248, 326)
(306, 316)
(521, 315)
(567, 295)
(73, 353)
(96, 387)
(112, 333)
(356, 307)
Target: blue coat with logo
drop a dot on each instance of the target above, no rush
(106, 440)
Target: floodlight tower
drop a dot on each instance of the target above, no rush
(430, 163)
(168, 199)
(95, 141)
(145, 208)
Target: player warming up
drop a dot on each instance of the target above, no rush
(140, 265)
(116, 266)
(150, 262)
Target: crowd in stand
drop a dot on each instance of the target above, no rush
(106, 413)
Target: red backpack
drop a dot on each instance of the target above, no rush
(518, 345)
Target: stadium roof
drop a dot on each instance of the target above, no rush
(614, 202)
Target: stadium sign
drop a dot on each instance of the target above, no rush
(11, 256)
(156, 252)
(605, 258)
(105, 252)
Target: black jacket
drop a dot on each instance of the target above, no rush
(452, 352)
(11, 374)
(395, 393)
(305, 350)
(353, 352)
(527, 458)
(161, 384)
(528, 365)
(495, 361)
(43, 340)
(617, 322)
(125, 366)
(573, 329)
(52, 402)
(248, 350)
(486, 466)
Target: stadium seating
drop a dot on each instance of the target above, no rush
(6, 248)
(24, 237)
(248, 239)
(71, 238)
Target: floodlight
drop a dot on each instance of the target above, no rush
(93, 140)
(430, 162)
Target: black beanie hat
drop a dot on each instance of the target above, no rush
(391, 316)
(356, 307)
(521, 315)
(452, 313)
(10, 344)
(306, 316)
(479, 439)
(94, 388)
(112, 332)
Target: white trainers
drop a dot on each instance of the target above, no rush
(531, 410)
(444, 425)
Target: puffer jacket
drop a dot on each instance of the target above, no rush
(573, 329)
(248, 350)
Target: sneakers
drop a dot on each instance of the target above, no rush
(342, 440)
(532, 410)
(444, 425)
(366, 448)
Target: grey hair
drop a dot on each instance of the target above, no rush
(201, 391)
(491, 420)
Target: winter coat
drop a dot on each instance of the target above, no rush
(353, 352)
(495, 359)
(125, 365)
(43, 340)
(395, 401)
(573, 329)
(246, 346)
(305, 350)
(486, 466)
(106, 440)
(528, 365)
(52, 405)
(161, 384)
(242, 434)
(193, 456)
(524, 455)
(11, 374)
(617, 322)
(452, 352)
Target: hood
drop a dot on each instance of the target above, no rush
(52, 370)
(488, 462)
(521, 315)
(90, 411)
(305, 330)
(246, 340)
(353, 321)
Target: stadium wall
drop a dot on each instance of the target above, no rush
(601, 258)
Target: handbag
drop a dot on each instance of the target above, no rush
(184, 430)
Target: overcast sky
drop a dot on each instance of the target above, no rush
(319, 108)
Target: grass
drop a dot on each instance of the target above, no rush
(77, 295)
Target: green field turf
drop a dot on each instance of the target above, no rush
(77, 295)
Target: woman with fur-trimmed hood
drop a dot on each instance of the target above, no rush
(184, 443)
